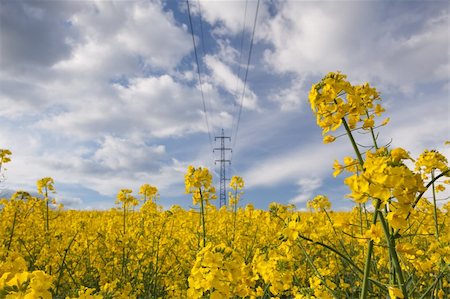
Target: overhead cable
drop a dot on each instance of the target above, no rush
(246, 74)
(199, 75)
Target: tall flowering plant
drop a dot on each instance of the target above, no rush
(381, 175)
(198, 182)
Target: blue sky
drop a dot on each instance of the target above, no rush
(104, 95)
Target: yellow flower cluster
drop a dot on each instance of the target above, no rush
(19, 283)
(45, 185)
(350, 165)
(382, 175)
(269, 254)
(388, 179)
(432, 160)
(5, 156)
(319, 203)
(219, 272)
(236, 184)
(335, 101)
(126, 198)
(198, 182)
(148, 192)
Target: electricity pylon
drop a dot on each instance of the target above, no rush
(223, 161)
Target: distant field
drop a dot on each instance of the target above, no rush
(252, 253)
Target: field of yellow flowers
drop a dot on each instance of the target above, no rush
(395, 243)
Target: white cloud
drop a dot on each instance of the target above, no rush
(136, 29)
(168, 176)
(291, 97)
(118, 153)
(96, 60)
(307, 186)
(155, 106)
(163, 105)
(313, 160)
(423, 125)
(152, 34)
(315, 38)
(224, 77)
(229, 18)
(116, 164)
(92, 117)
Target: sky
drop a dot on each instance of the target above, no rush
(104, 95)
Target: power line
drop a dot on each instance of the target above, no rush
(239, 66)
(235, 106)
(246, 74)
(208, 92)
(201, 27)
(199, 76)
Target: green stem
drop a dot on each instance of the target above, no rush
(47, 209)
(419, 197)
(391, 266)
(308, 258)
(155, 273)
(373, 134)
(365, 283)
(366, 220)
(12, 232)
(61, 269)
(393, 255)
(124, 267)
(435, 206)
(351, 263)
(352, 140)
(124, 219)
(374, 138)
(333, 250)
(360, 220)
(431, 287)
(234, 215)
(336, 234)
(203, 217)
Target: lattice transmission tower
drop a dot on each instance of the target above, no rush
(223, 161)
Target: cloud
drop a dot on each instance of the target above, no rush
(116, 164)
(307, 186)
(20, 97)
(93, 115)
(302, 162)
(227, 19)
(421, 125)
(118, 153)
(34, 34)
(140, 30)
(224, 77)
(153, 106)
(291, 97)
(100, 43)
(314, 38)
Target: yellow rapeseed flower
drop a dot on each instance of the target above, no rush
(44, 185)
(328, 139)
(395, 293)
